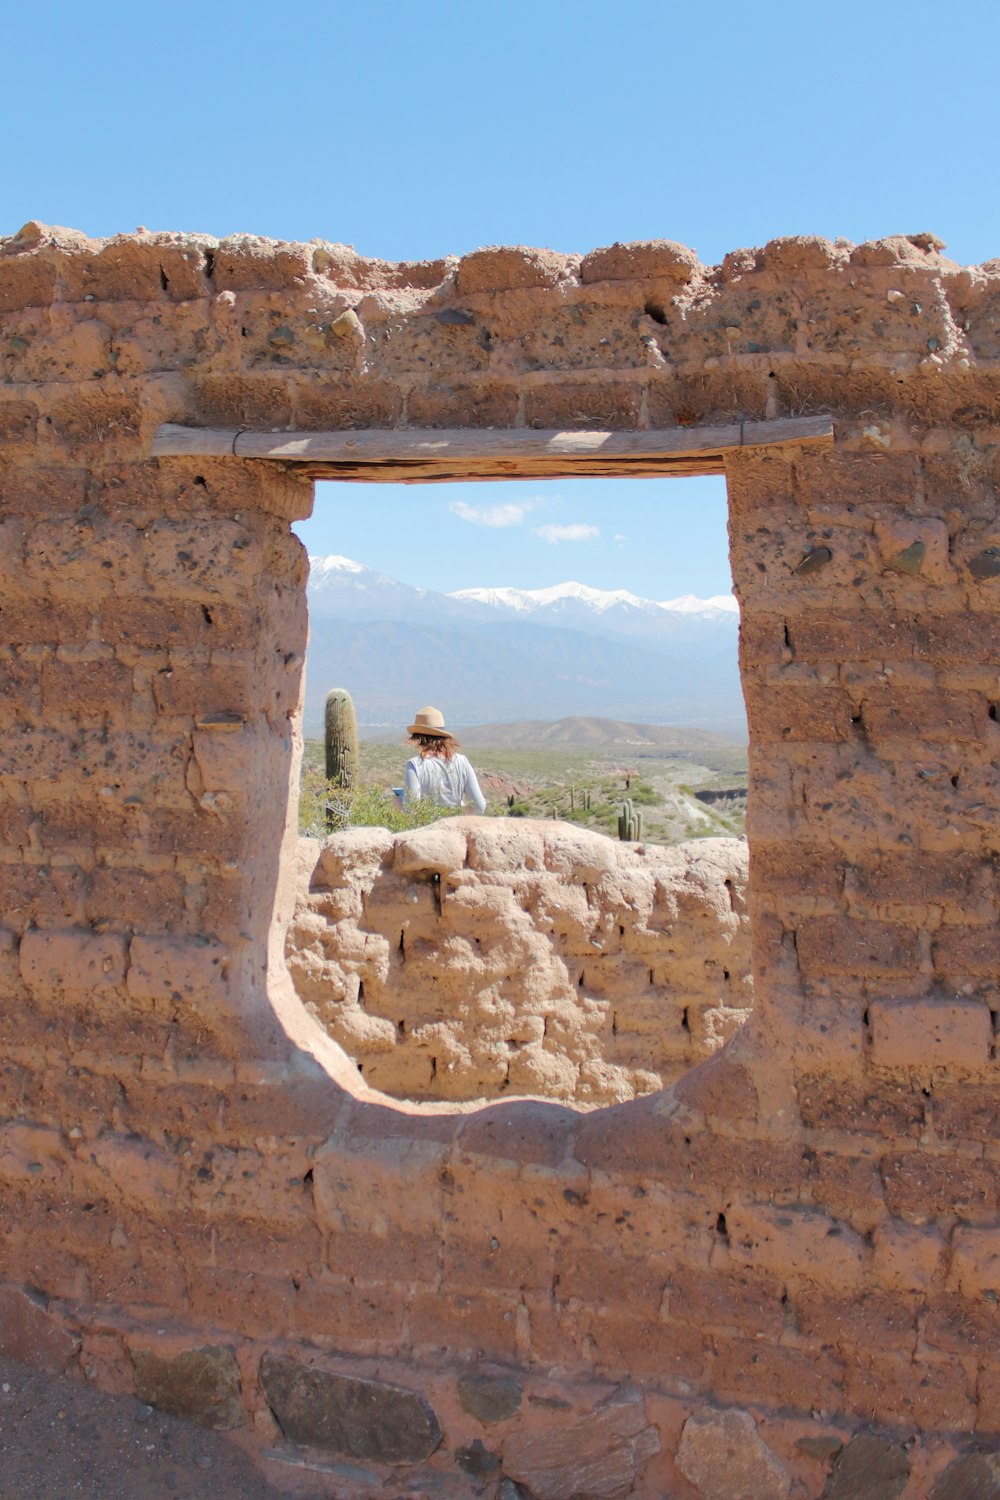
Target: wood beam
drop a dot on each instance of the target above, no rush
(422, 455)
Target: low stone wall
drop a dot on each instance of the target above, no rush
(480, 957)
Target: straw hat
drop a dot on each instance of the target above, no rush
(429, 721)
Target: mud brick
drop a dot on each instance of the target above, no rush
(796, 1243)
(42, 489)
(508, 268)
(465, 1325)
(791, 715)
(164, 968)
(488, 403)
(920, 1186)
(888, 1110)
(255, 1305)
(353, 1319)
(975, 1261)
(967, 950)
(266, 1250)
(198, 691)
(134, 897)
(596, 1278)
(192, 830)
(908, 1259)
(846, 1187)
(309, 1109)
(67, 960)
(961, 882)
(61, 824)
(17, 422)
(797, 872)
(743, 1369)
(988, 1392)
(243, 400)
(963, 638)
(226, 904)
(929, 1034)
(170, 1109)
(881, 1320)
(603, 404)
(847, 945)
(929, 1392)
(839, 636)
(240, 263)
(329, 405)
(955, 1324)
(51, 623)
(558, 1334)
(16, 822)
(199, 558)
(491, 1239)
(155, 624)
(381, 1257)
(624, 1346)
(74, 1098)
(140, 1264)
(965, 1111)
(751, 1301)
(898, 713)
(864, 480)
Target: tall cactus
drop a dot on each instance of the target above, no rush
(341, 739)
(630, 823)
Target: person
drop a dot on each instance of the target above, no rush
(439, 771)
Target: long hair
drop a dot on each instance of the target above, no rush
(441, 745)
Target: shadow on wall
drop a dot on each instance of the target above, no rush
(478, 958)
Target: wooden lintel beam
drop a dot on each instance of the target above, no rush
(488, 450)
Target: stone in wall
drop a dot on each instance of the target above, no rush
(480, 956)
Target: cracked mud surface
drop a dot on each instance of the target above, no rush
(60, 1439)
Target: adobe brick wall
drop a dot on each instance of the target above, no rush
(480, 957)
(793, 1249)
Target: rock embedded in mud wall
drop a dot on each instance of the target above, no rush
(201, 1384)
(362, 1419)
(725, 1458)
(479, 957)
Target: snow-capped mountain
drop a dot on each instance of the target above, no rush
(527, 601)
(577, 606)
(508, 653)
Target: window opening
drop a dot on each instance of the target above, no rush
(580, 637)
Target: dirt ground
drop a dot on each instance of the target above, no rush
(60, 1439)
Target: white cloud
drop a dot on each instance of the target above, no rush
(620, 538)
(576, 533)
(510, 514)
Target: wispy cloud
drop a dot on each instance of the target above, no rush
(621, 538)
(510, 514)
(576, 533)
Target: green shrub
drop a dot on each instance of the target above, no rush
(326, 808)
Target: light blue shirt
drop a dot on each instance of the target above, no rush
(449, 783)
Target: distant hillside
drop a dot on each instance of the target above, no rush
(517, 655)
(593, 734)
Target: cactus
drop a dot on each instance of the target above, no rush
(586, 801)
(630, 823)
(572, 799)
(341, 739)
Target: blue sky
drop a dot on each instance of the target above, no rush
(656, 537)
(413, 131)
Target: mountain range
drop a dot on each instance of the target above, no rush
(493, 655)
